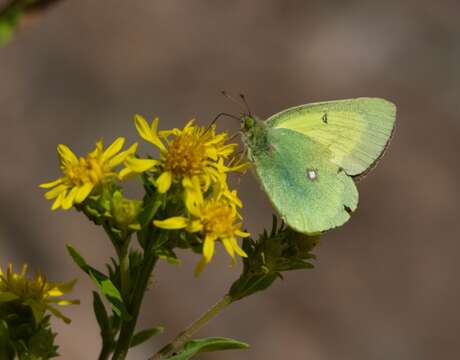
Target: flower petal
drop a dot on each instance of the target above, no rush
(140, 165)
(200, 267)
(69, 200)
(242, 234)
(83, 192)
(237, 248)
(58, 314)
(51, 184)
(164, 182)
(118, 159)
(58, 202)
(208, 248)
(195, 226)
(173, 223)
(228, 246)
(66, 154)
(55, 192)
(148, 133)
(114, 148)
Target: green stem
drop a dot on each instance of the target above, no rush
(128, 327)
(124, 269)
(187, 334)
(105, 352)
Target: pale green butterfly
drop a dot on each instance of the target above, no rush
(307, 157)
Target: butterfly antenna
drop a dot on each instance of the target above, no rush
(231, 98)
(235, 135)
(246, 104)
(217, 117)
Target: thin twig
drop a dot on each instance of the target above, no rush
(187, 334)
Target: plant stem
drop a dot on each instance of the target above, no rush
(105, 353)
(185, 335)
(128, 327)
(124, 268)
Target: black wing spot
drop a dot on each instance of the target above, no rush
(339, 170)
(312, 174)
(347, 209)
(324, 118)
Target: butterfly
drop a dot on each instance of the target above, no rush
(308, 157)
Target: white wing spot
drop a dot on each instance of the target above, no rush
(312, 174)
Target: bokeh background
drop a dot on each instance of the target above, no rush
(386, 284)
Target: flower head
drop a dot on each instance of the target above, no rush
(194, 156)
(37, 293)
(81, 176)
(215, 219)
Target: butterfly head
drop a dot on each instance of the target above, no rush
(248, 122)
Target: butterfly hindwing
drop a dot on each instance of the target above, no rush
(310, 192)
(356, 131)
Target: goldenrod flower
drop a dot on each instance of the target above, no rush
(83, 175)
(193, 156)
(37, 293)
(216, 219)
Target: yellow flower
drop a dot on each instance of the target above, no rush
(194, 156)
(81, 176)
(216, 219)
(37, 293)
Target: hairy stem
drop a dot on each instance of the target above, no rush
(187, 334)
(128, 327)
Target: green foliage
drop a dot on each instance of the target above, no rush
(281, 250)
(197, 346)
(105, 285)
(103, 320)
(144, 335)
(22, 338)
(9, 20)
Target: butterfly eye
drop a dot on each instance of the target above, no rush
(312, 174)
(248, 123)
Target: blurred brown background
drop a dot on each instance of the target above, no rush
(386, 284)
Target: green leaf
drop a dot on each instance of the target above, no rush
(7, 296)
(144, 335)
(6, 352)
(102, 319)
(249, 284)
(8, 23)
(105, 285)
(194, 347)
(112, 294)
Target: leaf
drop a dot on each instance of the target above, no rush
(102, 319)
(144, 335)
(194, 347)
(8, 23)
(249, 284)
(105, 285)
(6, 350)
(7, 296)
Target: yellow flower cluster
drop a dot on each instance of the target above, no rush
(197, 159)
(37, 292)
(193, 161)
(81, 176)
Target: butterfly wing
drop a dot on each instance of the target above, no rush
(356, 131)
(310, 192)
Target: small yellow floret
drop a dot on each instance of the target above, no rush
(194, 156)
(37, 292)
(81, 176)
(216, 219)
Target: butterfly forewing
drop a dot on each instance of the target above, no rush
(355, 131)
